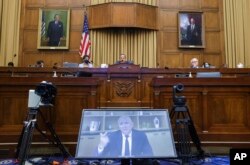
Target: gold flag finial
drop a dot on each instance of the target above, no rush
(84, 7)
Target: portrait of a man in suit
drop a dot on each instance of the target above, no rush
(191, 32)
(125, 142)
(53, 29)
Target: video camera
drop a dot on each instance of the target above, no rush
(177, 99)
(47, 91)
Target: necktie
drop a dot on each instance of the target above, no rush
(127, 153)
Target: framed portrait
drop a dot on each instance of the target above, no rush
(191, 30)
(53, 29)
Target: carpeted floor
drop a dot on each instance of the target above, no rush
(46, 156)
(216, 160)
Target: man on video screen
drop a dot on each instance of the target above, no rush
(125, 142)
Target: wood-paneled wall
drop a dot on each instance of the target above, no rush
(168, 52)
(217, 106)
(29, 53)
(137, 15)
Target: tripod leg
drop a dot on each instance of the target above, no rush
(182, 113)
(55, 137)
(43, 134)
(172, 113)
(194, 135)
(26, 141)
(195, 138)
(183, 141)
(57, 140)
(19, 142)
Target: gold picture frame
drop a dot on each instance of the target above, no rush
(191, 29)
(53, 29)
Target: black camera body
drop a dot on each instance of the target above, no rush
(177, 99)
(47, 91)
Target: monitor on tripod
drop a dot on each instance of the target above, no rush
(103, 133)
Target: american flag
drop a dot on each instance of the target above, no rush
(43, 31)
(85, 41)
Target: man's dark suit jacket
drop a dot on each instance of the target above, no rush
(126, 62)
(55, 32)
(140, 145)
(194, 36)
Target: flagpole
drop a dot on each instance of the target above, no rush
(84, 8)
(85, 43)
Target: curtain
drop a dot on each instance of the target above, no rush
(10, 20)
(237, 34)
(1, 11)
(139, 46)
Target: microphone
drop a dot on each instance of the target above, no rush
(87, 61)
(55, 65)
(157, 65)
(11, 70)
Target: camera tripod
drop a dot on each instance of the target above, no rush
(185, 129)
(25, 138)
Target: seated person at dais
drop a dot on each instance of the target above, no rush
(10, 64)
(86, 63)
(123, 60)
(208, 65)
(40, 64)
(194, 63)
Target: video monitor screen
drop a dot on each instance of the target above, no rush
(114, 134)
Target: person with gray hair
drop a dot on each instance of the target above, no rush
(194, 63)
(124, 142)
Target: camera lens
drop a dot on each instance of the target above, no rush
(179, 87)
(47, 91)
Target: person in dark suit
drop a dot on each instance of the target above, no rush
(86, 63)
(193, 33)
(55, 31)
(123, 60)
(40, 64)
(10, 64)
(125, 142)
